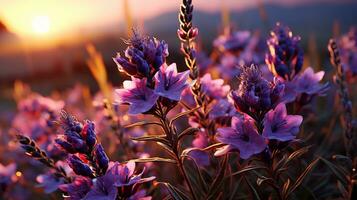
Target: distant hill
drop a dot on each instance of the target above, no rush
(304, 20)
(6, 36)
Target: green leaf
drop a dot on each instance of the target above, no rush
(188, 131)
(247, 169)
(142, 123)
(251, 187)
(338, 172)
(201, 180)
(302, 176)
(154, 159)
(183, 114)
(152, 138)
(175, 193)
(219, 179)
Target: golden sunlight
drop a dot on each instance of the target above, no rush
(41, 24)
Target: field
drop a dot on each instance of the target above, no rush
(220, 103)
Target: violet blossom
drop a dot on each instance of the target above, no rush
(77, 189)
(143, 57)
(255, 95)
(305, 85)
(139, 97)
(279, 125)
(119, 180)
(348, 52)
(169, 83)
(232, 41)
(285, 57)
(242, 136)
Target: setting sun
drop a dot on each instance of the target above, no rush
(41, 24)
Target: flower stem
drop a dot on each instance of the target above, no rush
(172, 136)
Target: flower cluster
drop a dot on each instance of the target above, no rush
(238, 48)
(143, 57)
(263, 117)
(348, 53)
(80, 139)
(163, 82)
(285, 61)
(35, 118)
(255, 95)
(285, 58)
(95, 177)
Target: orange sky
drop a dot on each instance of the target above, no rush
(46, 19)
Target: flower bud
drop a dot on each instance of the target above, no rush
(101, 157)
(79, 167)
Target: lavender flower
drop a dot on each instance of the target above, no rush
(139, 97)
(200, 141)
(214, 88)
(102, 159)
(280, 126)
(79, 167)
(308, 82)
(255, 95)
(285, 56)
(77, 138)
(35, 118)
(143, 57)
(169, 83)
(119, 180)
(242, 136)
(49, 182)
(348, 52)
(78, 189)
(232, 41)
(6, 173)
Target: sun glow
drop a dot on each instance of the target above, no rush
(41, 24)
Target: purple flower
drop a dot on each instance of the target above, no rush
(119, 180)
(308, 82)
(139, 97)
(285, 57)
(35, 118)
(255, 95)
(101, 157)
(242, 136)
(280, 126)
(143, 57)
(232, 41)
(214, 88)
(78, 189)
(79, 167)
(6, 173)
(49, 182)
(200, 141)
(222, 109)
(77, 137)
(348, 52)
(169, 83)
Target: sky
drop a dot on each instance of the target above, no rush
(53, 18)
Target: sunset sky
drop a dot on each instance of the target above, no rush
(53, 18)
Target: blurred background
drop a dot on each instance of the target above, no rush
(43, 42)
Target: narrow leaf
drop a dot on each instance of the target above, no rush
(142, 123)
(188, 131)
(302, 177)
(154, 159)
(152, 138)
(175, 193)
(251, 187)
(183, 114)
(336, 171)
